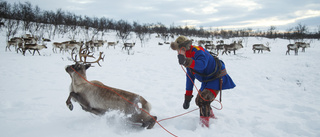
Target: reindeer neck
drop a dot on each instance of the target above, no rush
(77, 79)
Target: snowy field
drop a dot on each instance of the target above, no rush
(277, 95)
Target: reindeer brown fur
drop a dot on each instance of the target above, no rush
(99, 98)
(34, 47)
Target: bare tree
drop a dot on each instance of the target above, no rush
(12, 28)
(26, 15)
(300, 31)
(271, 32)
(141, 31)
(123, 29)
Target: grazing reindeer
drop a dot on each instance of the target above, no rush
(99, 43)
(303, 45)
(232, 47)
(97, 98)
(34, 47)
(90, 45)
(15, 41)
(209, 45)
(112, 44)
(201, 42)
(70, 45)
(11, 43)
(220, 45)
(128, 45)
(294, 47)
(57, 45)
(260, 47)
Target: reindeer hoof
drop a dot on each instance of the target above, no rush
(70, 106)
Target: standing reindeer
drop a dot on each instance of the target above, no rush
(294, 47)
(232, 47)
(303, 45)
(97, 98)
(260, 47)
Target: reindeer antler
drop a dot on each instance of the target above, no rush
(84, 53)
(100, 58)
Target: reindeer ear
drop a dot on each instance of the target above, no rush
(87, 66)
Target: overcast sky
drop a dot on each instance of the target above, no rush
(226, 14)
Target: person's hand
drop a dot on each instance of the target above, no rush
(182, 59)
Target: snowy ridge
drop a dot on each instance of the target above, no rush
(276, 95)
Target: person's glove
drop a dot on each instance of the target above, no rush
(182, 59)
(187, 100)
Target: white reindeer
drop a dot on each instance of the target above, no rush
(303, 45)
(260, 47)
(294, 47)
(112, 44)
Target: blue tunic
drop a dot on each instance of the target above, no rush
(204, 63)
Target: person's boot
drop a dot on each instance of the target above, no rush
(212, 114)
(204, 121)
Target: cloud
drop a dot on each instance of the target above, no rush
(302, 14)
(275, 20)
(205, 13)
(81, 1)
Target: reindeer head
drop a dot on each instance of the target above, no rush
(78, 67)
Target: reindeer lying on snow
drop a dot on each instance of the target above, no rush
(97, 98)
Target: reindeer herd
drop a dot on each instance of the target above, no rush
(26, 42)
(221, 46)
(235, 45)
(30, 43)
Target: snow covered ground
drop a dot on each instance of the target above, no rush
(276, 94)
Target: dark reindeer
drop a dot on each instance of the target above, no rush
(97, 98)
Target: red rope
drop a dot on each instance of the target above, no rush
(127, 101)
(146, 111)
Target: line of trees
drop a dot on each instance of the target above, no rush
(38, 22)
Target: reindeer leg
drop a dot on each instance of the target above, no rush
(83, 103)
(38, 52)
(33, 52)
(69, 103)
